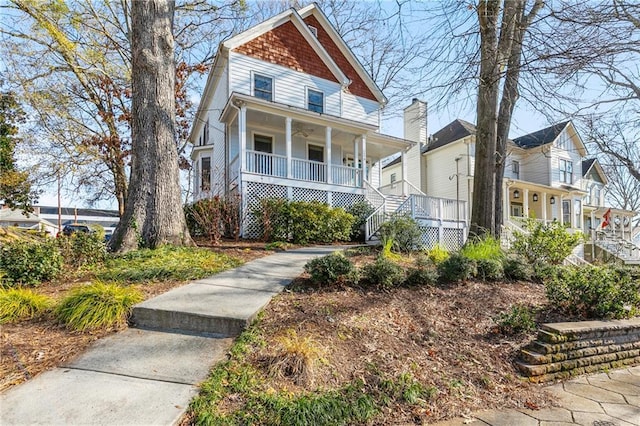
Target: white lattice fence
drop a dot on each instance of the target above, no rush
(452, 238)
(255, 192)
(345, 200)
(429, 236)
(305, 194)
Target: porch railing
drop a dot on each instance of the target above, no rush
(312, 171)
(346, 176)
(439, 208)
(266, 164)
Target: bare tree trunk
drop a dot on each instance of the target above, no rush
(153, 213)
(483, 211)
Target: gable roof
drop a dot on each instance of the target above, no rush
(593, 163)
(541, 137)
(452, 132)
(393, 162)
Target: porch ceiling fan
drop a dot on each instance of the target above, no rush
(304, 131)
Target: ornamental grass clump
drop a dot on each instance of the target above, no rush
(97, 306)
(296, 358)
(18, 304)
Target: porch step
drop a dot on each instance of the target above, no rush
(394, 201)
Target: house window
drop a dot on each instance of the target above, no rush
(596, 196)
(316, 153)
(205, 174)
(263, 87)
(566, 171)
(563, 141)
(577, 212)
(313, 30)
(393, 177)
(566, 212)
(315, 101)
(515, 169)
(263, 143)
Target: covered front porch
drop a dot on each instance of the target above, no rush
(278, 144)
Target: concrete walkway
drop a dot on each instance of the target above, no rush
(148, 375)
(604, 399)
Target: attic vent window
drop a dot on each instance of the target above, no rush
(314, 30)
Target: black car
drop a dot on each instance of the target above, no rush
(71, 229)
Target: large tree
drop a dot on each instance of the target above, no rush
(15, 187)
(153, 214)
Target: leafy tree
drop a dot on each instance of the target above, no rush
(15, 187)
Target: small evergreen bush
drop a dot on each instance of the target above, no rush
(331, 269)
(519, 319)
(403, 231)
(82, 248)
(457, 268)
(97, 306)
(517, 268)
(489, 269)
(421, 275)
(360, 211)
(30, 262)
(383, 273)
(545, 243)
(315, 222)
(594, 292)
(17, 304)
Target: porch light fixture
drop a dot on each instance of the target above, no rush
(535, 198)
(552, 200)
(516, 194)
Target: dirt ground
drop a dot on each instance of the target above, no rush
(445, 337)
(30, 347)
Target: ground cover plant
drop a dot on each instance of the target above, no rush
(18, 304)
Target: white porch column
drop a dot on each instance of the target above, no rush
(544, 207)
(505, 202)
(581, 215)
(364, 158)
(560, 212)
(287, 142)
(242, 136)
(356, 160)
(525, 202)
(327, 153)
(403, 160)
(379, 172)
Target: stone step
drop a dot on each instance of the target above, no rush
(627, 350)
(624, 342)
(187, 322)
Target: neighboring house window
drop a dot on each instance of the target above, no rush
(566, 171)
(315, 100)
(205, 174)
(393, 177)
(566, 212)
(314, 30)
(263, 87)
(515, 169)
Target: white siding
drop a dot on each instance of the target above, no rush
(508, 168)
(440, 165)
(290, 89)
(289, 85)
(572, 155)
(413, 166)
(534, 167)
(388, 171)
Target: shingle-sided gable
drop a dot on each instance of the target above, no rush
(357, 87)
(285, 45)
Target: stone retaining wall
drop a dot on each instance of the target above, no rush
(569, 349)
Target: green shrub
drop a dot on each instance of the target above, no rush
(383, 273)
(82, 248)
(18, 304)
(330, 269)
(30, 262)
(542, 272)
(164, 263)
(489, 269)
(517, 268)
(546, 243)
(594, 292)
(360, 211)
(403, 231)
(519, 319)
(487, 247)
(421, 276)
(96, 306)
(318, 223)
(438, 254)
(457, 268)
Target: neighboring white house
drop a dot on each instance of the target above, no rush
(289, 112)
(547, 177)
(19, 219)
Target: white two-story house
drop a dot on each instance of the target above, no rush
(289, 112)
(547, 177)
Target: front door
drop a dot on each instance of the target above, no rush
(517, 210)
(315, 155)
(263, 145)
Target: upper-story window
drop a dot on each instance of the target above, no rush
(515, 169)
(315, 100)
(313, 30)
(566, 171)
(394, 178)
(263, 87)
(564, 142)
